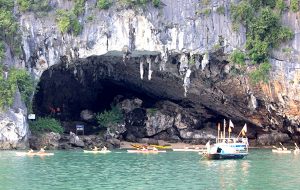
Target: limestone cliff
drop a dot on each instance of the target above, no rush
(161, 40)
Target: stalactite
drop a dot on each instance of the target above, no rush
(183, 64)
(150, 71)
(142, 68)
(186, 81)
(205, 61)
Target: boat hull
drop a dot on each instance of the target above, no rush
(218, 156)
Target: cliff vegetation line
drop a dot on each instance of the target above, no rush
(264, 31)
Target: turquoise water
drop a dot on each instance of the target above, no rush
(262, 169)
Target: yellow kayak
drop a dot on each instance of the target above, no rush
(162, 146)
(139, 146)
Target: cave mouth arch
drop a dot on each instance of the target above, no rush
(95, 82)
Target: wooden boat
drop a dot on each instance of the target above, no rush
(227, 148)
(146, 151)
(97, 151)
(33, 154)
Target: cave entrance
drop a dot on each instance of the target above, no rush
(63, 94)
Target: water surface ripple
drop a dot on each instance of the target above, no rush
(75, 170)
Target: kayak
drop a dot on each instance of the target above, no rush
(97, 151)
(281, 151)
(33, 154)
(145, 151)
(161, 146)
(138, 146)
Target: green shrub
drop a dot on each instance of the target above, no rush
(78, 7)
(263, 29)
(192, 60)
(237, 57)
(111, 117)
(90, 18)
(68, 22)
(156, 3)
(24, 5)
(151, 111)
(257, 50)
(103, 4)
(2, 51)
(41, 6)
(280, 5)
(46, 124)
(35, 6)
(221, 10)
(265, 33)
(242, 13)
(17, 78)
(261, 73)
(295, 5)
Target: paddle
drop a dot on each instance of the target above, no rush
(283, 146)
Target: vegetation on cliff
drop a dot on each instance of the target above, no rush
(47, 124)
(68, 21)
(111, 117)
(11, 80)
(9, 29)
(264, 32)
(155, 3)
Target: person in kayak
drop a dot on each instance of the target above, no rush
(95, 148)
(30, 151)
(42, 151)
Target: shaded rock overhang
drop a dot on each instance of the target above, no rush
(210, 96)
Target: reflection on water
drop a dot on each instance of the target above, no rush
(171, 170)
(227, 171)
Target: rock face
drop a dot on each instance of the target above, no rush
(159, 43)
(56, 141)
(48, 140)
(158, 122)
(13, 130)
(13, 126)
